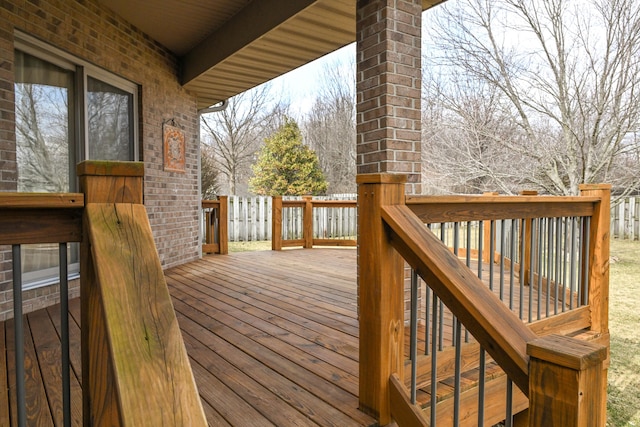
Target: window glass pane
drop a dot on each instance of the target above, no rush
(44, 134)
(110, 113)
(44, 99)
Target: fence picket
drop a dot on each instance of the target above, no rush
(250, 219)
(625, 219)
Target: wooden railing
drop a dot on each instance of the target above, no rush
(307, 238)
(34, 219)
(135, 369)
(390, 232)
(215, 219)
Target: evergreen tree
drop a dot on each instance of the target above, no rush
(287, 167)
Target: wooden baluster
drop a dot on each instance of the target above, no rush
(487, 237)
(276, 223)
(380, 295)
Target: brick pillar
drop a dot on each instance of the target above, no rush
(388, 34)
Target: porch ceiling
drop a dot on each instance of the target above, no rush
(229, 46)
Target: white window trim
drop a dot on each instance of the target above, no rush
(40, 49)
(45, 51)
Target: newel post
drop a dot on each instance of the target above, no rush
(380, 294)
(564, 382)
(307, 222)
(101, 182)
(276, 223)
(598, 273)
(223, 225)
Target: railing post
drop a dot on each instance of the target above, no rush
(488, 237)
(565, 375)
(599, 271)
(101, 182)
(223, 225)
(307, 222)
(526, 256)
(380, 294)
(276, 223)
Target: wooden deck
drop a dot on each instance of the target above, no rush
(272, 337)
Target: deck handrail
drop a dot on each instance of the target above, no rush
(307, 204)
(391, 232)
(136, 371)
(495, 327)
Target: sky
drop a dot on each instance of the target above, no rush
(299, 86)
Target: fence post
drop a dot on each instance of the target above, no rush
(276, 223)
(487, 237)
(223, 225)
(380, 294)
(307, 222)
(599, 271)
(564, 382)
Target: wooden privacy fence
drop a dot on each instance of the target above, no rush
(625, 219)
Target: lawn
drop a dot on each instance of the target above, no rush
(624, 325)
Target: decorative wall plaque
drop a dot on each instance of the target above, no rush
(173, 143)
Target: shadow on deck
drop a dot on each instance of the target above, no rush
(272, 338)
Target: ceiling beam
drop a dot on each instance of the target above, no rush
(254, 21)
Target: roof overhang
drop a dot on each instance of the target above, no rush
(229, 46)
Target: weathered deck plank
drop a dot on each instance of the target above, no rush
(272, 340)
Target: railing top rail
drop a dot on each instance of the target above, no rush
(334, 203)
(293, 203)
(210, 204)
(432, 209)
(495, 327)
(41, 200)
(40, 218)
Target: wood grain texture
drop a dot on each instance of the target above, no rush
(381, 295)
(403, 411)
(565, 388)
(497, 329)
(152, 376)
(599, 272)
(22, 226)
(223, 225)
(5, 420)
(276, 223)
(41, 200)
(434, 209)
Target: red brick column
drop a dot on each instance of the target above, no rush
(388, 34)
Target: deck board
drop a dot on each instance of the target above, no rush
(272, 338)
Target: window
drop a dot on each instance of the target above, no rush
(66, 111)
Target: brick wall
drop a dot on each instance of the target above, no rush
(93, 33)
